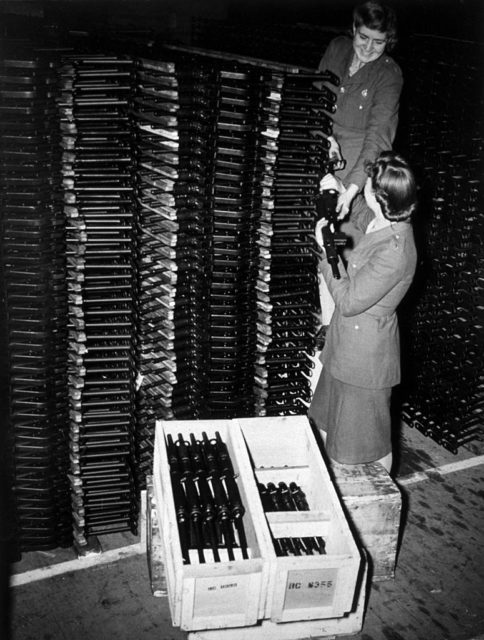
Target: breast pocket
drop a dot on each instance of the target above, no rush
(356, 106)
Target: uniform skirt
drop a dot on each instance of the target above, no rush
(357, 421)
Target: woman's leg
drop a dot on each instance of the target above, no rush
(317, 412)
(386, 462)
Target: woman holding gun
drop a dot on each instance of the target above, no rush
(367, 100)
(361, 355)
(367, 103)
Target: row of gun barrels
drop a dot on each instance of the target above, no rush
(207, 499)
(209, 508)
(290, 498)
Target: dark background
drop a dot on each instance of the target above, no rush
(463, 19)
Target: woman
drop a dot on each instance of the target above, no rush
(361, 355)
(368, 97)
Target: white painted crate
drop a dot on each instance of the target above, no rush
(267, 630)
(283, 449)
(212, 595)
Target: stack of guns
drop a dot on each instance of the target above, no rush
(290, 498)
(33, 274)
(207, 500)
(170, 206)
(236, 185)
(444, 397)
(287, 301)
(170, 111)
(99, 206)
(228, 304)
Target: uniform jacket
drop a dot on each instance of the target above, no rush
(366, 116)
(362, 345)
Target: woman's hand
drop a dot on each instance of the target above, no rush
(345, 200)
(335, 155)
(318, 232)
(330, 182)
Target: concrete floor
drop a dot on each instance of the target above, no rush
(437, 592)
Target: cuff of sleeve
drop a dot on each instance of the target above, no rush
(358, 178)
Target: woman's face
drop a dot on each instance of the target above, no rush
(368, 44)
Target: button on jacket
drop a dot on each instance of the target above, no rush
(362, 345)
(366, 116)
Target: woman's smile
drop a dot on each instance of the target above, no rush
(368, 44)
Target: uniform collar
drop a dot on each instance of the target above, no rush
(395, 228)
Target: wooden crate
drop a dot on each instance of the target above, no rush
(373, 503)
(266, 630)
(212, 595)
(283, 449)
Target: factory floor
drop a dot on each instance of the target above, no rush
(437, 592)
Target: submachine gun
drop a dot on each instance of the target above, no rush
(326, 203)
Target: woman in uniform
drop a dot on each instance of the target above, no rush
(361, 355)
(368, 96)
(367, 103)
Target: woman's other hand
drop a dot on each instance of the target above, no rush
(345, 200)
(335, 155)
(318, 232)
(329, 182)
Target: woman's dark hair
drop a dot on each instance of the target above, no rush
(378, 16)
(394, 185)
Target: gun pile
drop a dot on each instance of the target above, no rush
(99, 206)
(444, 392)
(34, 299)
(207, 500)
(289, 498)
(170, 112)
(228, 163)
(287, 304)
(158, 216)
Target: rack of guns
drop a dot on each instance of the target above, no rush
(290, 498)
(207, 499)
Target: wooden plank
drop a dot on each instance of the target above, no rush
(153, 547)
(142, 525)
(451, 467)
(87, 562)
(416, 452)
